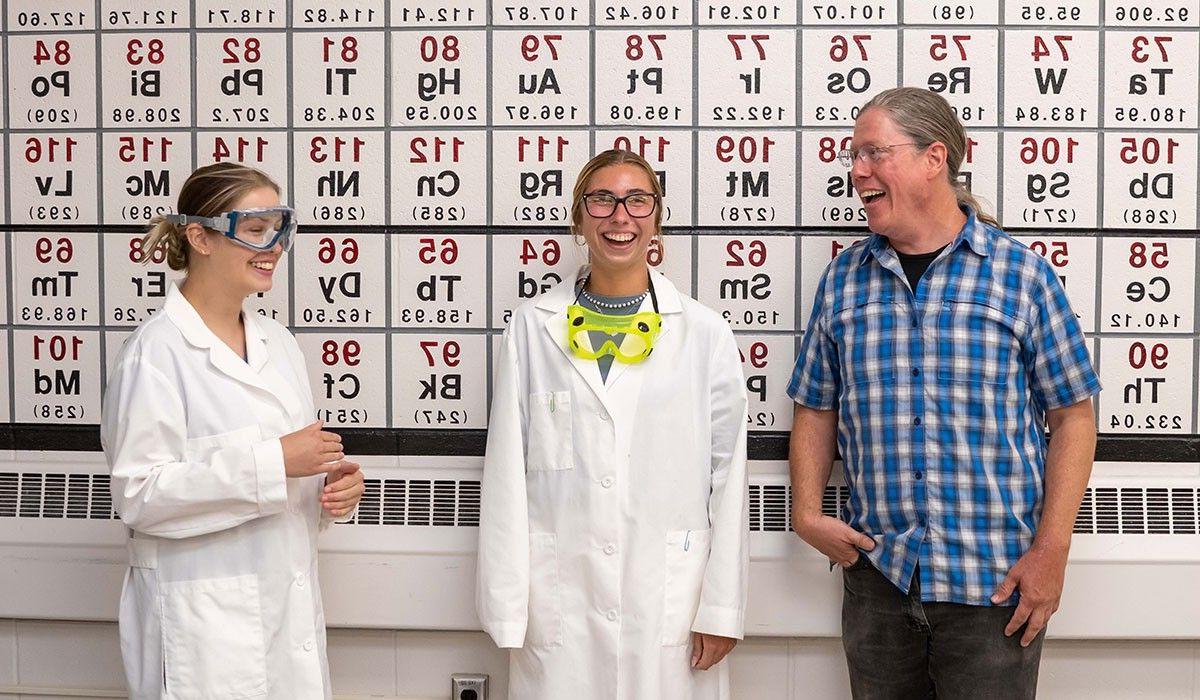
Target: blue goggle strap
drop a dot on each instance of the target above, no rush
(220, 224)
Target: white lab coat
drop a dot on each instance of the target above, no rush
(614, 519)
(221, 597)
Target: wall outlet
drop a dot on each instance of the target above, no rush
(468, 686)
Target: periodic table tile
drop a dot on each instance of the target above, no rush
(430, 149)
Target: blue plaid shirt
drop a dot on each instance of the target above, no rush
(941, 401)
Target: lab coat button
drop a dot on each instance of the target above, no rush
(604, 416)
(612, 615)
(610, 548)
(308, 645)
(300, 580)
(607, 482)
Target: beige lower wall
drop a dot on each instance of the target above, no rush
(73, 658)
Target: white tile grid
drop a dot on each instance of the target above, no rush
(846, 41)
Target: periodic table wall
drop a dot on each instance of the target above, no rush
(430, 149)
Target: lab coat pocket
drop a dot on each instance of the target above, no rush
(200, 449)
(545, 613)
(686, 560)
(213, 639)
(551, 445)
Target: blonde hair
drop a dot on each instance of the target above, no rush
(209, 191)
(926, 117)
(603, 160)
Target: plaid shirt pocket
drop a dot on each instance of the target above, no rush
(978, 344)
(869, 341)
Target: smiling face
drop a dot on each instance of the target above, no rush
(244, 271)
(897, 190)
(617, 243)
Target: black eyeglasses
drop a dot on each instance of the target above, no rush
(601, 205)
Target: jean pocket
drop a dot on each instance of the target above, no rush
(861, 564)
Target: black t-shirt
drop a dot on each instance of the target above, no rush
(915, 265)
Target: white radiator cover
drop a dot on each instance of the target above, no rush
(1119, 585)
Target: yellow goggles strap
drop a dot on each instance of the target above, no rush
(640, 331)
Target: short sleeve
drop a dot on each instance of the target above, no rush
(815, 378)
(1056, 355)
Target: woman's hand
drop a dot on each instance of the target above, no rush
(343, 487)
(311, 450)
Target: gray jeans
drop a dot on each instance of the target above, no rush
(899, 648)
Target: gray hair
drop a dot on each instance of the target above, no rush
(926, 117)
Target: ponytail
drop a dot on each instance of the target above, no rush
(163, 232)
(966, 199)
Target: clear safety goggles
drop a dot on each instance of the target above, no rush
(257, 229)
(640, 331)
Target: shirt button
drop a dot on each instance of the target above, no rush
(921, 522)
(917, 475)
(607, 482)
(917, 420)
(612, 616)
(308, 645)
(610, 548)
(916, 323)
(916, 372)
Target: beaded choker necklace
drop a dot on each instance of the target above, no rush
(636, 301)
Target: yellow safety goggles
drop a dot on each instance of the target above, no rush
(640, 331)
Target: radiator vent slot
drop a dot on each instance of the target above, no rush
(1139, 511)
(771, 506)
(55, 496)
(450, 503)
(1104, 511)
(440, 503)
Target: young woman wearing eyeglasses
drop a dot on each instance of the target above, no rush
(613, 537)
(217, 468)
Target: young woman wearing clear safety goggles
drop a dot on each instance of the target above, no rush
(218, 469)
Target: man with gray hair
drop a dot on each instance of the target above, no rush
(938, 350)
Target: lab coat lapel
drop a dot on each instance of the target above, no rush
(556, 301)
(556, 326)
(253, 371)
(668, 308)
(260, 348)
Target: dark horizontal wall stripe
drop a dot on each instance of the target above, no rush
(1109, 448)
(471, 443)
